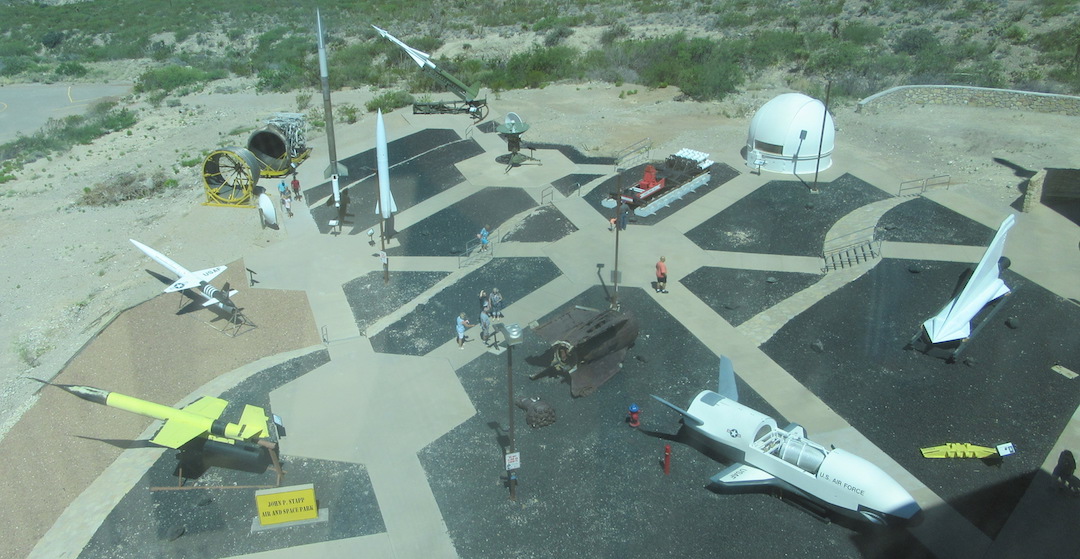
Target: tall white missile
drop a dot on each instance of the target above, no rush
(984, 285)
(328, 109)
(385, 206)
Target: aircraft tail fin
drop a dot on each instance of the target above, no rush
(726, 383)
(684, 413)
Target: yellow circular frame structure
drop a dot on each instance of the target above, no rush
(229, 176)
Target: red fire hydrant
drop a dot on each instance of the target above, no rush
(635, 415)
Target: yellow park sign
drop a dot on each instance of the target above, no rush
(286, 504)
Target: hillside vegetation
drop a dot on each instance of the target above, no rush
(707, 49)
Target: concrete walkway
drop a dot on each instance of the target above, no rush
(379, 410)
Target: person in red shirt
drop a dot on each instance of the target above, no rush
(661, 275)
(296, 188)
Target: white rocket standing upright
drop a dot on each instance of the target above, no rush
(198, 281)
(385, 206)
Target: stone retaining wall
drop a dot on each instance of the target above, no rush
(973, 97)
(1051, 184)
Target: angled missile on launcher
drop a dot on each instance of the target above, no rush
(197, 423)
(944, 334)
(470, 103)
(767, 456)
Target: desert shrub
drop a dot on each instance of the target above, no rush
(14, 47)
(540, 66)
(348, 112)
(73, 69)
(614, 33)
(60, 134)
(14, 65)
(557, 36)
(861, 33)
(351, 66)
(915, 41)
(552, 23)
(169, 78)
(52, 39)
(1052, 8)
(126, 186)
(389, 101)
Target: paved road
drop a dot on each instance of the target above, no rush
(24, 109)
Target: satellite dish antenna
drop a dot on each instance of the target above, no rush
(512, 128)
(266, 209)
(513, 124)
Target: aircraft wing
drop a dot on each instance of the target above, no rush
(743, 475)
(207, 406)
(557, 328)
(176, 433)
(194, 279)
(588, 376)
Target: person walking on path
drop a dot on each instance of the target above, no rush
(282, 190)
(624, 215)
(296, 188)
(496, 303)
(286, 202)
(661, 275)
(462, 324)
(483, 236)
(485, 326)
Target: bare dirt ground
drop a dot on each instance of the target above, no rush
(69, 269)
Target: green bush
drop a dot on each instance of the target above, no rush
(389, 101)
(614, 33)
(862, 33)
(168, 78)
(348, 112)
(73, 69)
(123, 187)
(557, 36)
(52, 39)
(916, 41)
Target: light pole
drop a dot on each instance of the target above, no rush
(513, 335)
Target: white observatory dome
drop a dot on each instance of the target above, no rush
(785, 134)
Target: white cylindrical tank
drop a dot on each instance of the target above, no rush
(786, 136)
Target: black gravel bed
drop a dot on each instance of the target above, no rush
(903, 400)
(572, 183)
(783, 217)
(545, 224)
(412, 182)
(446, 232)
(433, 322)
(202, 523)
(371, 298)
(591, 486)
(363, 164)
(739, 295)
(921, 220)
(721, 173)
